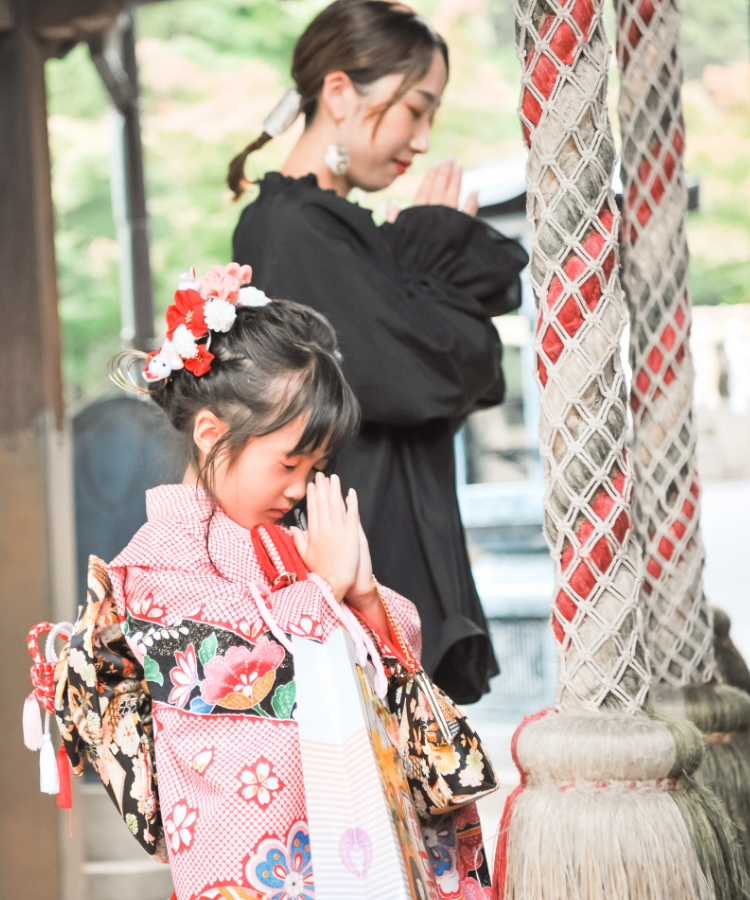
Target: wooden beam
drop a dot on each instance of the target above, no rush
(31, 412)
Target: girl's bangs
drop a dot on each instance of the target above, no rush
(333, 412)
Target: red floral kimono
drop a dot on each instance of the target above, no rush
(223, 694)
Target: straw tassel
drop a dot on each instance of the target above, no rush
(32, 723)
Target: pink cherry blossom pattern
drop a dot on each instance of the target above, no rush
(179, 827)
(251, 629)
(184, 676)
(259, 783)
(203, 759)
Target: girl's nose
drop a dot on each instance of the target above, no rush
(297, 489)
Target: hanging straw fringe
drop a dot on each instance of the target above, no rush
(722, 714)
(608, 809)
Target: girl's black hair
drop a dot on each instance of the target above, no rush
(277, 362)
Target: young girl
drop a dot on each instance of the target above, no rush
(263, 408)
(256, 389)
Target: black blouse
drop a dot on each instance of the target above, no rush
(411, 304)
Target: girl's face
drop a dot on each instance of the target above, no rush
(264, 482)
(381, 149)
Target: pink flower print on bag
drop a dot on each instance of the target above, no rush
(355, 851)
(241, 678)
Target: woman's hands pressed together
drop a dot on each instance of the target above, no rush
(441, 186)
(335, 547)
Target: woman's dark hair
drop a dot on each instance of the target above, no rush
(367, 39)
(277, 362)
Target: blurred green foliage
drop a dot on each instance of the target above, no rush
(211, 70)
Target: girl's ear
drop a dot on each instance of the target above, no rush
(207, 429)
(338, 96)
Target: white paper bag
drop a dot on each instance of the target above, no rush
(365, 837)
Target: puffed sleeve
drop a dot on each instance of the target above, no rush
(464, 252)
(410, 354)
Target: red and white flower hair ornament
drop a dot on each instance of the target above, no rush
(201, 306)
(162, 364)
(252, 296)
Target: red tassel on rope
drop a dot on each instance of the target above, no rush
(65, 794)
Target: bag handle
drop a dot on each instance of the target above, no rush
(363, 643)
(401, 650)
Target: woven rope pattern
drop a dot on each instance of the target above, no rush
(666, 501)
(574, 262)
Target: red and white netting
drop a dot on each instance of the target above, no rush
(574, 272)
(666, 506)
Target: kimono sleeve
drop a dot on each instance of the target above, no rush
(301, 609)
(407, 618)
(105, 712)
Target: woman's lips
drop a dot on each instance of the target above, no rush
(401, 166)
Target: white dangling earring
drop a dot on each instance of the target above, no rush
(337, 159)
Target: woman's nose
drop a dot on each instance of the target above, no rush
(420, 142)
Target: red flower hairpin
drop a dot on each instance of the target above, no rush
(200, 307)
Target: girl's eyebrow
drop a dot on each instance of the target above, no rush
(430, 98)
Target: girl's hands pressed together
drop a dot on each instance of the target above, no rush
(362, 595)
(331, 545)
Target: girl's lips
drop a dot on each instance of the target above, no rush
(401, 166)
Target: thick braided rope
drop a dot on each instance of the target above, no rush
(678, 628)
(574, 272)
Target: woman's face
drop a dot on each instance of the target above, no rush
(381, 149)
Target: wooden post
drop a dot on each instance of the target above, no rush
(31, 415)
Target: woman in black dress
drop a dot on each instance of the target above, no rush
(411, 301)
